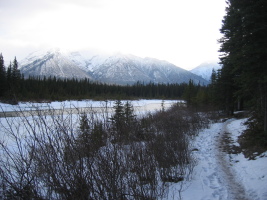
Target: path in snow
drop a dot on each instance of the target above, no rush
(235, 189)
(207, 182)
(222, 172)
(213, 177)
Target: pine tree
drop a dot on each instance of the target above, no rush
(190, 93)
(213, 87)
(8, 75)
(118, 116)
(84, 124)
(84, 141)
(15, 72)
(129, 113)
(123, 121)
(244, 59)
(98, 135)
(2, 76)
(231, 45)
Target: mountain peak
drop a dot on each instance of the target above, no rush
(204, 70)
(114, 68)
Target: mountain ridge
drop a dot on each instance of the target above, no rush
(113, 68)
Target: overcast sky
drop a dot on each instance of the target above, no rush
(183, 32)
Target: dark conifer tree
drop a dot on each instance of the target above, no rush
(9, 73)
(3, 86)
(213, 87)
(15, 72)
(118, 117)
(244, 59)
(190, 93)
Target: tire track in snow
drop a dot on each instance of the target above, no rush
(235, 189)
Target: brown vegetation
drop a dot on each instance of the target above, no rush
(97, 156)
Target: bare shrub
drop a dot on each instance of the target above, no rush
(73, 154)
(171, 145)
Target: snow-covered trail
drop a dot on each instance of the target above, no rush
(208, 178)
(235, 189)
(220, 175)
(214, 177)
(207, 182)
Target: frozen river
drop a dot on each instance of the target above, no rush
(74, 107)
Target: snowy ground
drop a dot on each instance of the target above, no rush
(219, 175)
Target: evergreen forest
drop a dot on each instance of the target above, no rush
(14, 88)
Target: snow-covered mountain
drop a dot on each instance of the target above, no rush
(204, 70)
(51, 63)
(109, 68)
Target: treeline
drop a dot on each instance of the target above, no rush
(14, 87)
(59, 89)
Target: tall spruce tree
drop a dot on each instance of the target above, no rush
(213, 88)
(231, 45)
(244, 58)
(8, 73)
(15, 72)
(2, 76)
